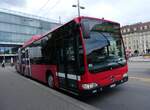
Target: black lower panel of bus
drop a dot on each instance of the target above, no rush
(72, 85)
(69, 84)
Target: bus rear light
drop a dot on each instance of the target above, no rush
(89, 86)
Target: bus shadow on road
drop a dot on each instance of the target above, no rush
(107, 93)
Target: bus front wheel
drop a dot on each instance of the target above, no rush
(50, 81)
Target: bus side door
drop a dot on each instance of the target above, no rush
(67, 63)
(27, 70)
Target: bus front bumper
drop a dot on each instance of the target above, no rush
(99, 89)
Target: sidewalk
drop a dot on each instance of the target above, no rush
(20, 93)
(139, 59)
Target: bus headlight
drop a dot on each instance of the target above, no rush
(125, 75)
(89, 86)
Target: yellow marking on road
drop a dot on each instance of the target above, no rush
(141, 79)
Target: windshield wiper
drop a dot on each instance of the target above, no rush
(118, 62)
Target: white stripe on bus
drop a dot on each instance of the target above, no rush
(71, 76)
(61, 75)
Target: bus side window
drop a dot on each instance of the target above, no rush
(35, 53)
(48, 50)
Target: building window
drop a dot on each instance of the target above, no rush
(121, 31)
(141, 28)
(134, 29)
(124, 30)
(145, 27)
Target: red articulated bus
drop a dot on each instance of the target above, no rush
(83, 56)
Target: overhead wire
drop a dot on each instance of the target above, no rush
(44, 5)
(52, 7)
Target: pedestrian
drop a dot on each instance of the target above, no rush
(3, 63)
(12, 61)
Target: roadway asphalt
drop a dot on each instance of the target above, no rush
(133, 95)
(21, 93)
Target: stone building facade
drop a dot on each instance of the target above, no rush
(136, 38)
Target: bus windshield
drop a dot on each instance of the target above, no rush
(104, 46)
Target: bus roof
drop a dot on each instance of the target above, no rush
(33, 38)
(87, 17)
(77, 19)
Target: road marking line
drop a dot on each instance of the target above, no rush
(142, 79)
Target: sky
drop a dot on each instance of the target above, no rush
(123, 11)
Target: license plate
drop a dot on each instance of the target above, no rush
(113, 85)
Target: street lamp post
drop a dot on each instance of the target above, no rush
(79, 7)
(59, 19)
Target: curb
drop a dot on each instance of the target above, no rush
(137, 61)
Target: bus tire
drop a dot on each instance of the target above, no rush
(50, 81)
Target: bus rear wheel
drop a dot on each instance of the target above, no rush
(50, 81)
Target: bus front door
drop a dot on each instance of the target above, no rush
(67, 64)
